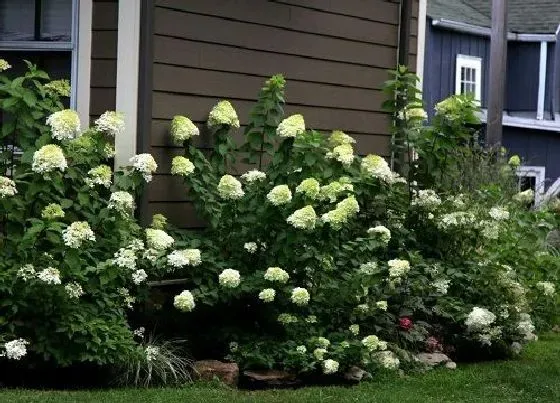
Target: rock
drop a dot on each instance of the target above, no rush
(269, 378)
(556, 329)
(450, 365)
(433, 359)
(226, 372)
(356, 374)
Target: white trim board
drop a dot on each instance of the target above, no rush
(485, 31)
(542, 80)
(537, 172)
(128, 58)
(82, 61)
(514, 121)
(553, 190)
(420, 57)
(473, 63)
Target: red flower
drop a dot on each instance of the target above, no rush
(405, 323)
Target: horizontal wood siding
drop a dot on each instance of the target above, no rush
(334, 55)
(103, 56)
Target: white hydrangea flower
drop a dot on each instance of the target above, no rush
(7, 187)
(145, 164)
(77, 233)
(457, 201)
(229, 188)
(377, 167)
(151, 353)
(343, 153)
(182, 129)
(65, 124)
(279, 195)
(344, 211)
(441, 286)
(15, 349)
(371, 342)
(548, 288)
(184, 301)
(319, 353)
(229, 278)
(223, 114)
(4, 65)
(253, 176)
(139, 276)
(456, 219)
(363, 308)
(525, 197)
(304, 218)
(311, 319)
(158, 239)
(286, 318)
(111, 122)
(368, 268)
(122, 202)
(181, 166)
(125, 258)
(301, 349)
(323, 342)
(50, 275)
(427, 199)
(338, 138)
(387, 359)
(108, 151)
(383, 232)
(27, 272)
(300, 296)
(99, 175)
(330, 366)
(499, 213)
(292, 126)
(267, 295)
(398, 267)
(48, 158)
(276, 274)
(381, 305)
(331, 191)
(152, 255)
(185, 257)
(74, 290)
(354, 329)
(310, 187)
(479, 318)
(250, 247)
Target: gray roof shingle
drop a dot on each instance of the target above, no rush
(524, 16)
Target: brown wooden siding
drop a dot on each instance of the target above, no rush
(334, 55)
(103, 56)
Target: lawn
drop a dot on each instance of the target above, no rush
(532, 378)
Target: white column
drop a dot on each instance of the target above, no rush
(542, 81)
(128, 57)
(421, 41)
(81, 60)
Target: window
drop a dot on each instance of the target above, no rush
(43, 32)
(468, 76)
(532, 177)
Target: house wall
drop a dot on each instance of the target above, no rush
(103, 56)
(334, 55)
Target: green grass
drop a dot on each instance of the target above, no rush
(532, 378)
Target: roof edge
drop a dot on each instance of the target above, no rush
(485, 31)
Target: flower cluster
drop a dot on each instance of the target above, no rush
(286, 318)
(229, 278)
(184, 301)
(427, 199)
(547, 288)
(382, 232)
(343, 153)
(4, 65)
(456, 219)
(182, 129)
(15, 349)
(74, 290)
(499, 213)
(441, 286)
(292, 126)
(65, 124)
(158, 239)
(373, 343)
(185, 257)
(253, 176)
(139, 276)
(338, 138)
(223, 114)
(122, 202)
(50, 275)
(230, 188)
(99, 175)
(479, 318)
(279, 195)
(267, 295)
(330, 366)
(59, 87)
(310, 187)
(344, 211)
(300, 296)
(125, 258)
(354, 329)
(377, 167)
(387, 359)
(304, 218)
(368, 268)
(525, 197)
(26, 272)
(381, 305)
(250, 247)
(77, 233)
(48, 158)
(526, 328)
(276, 274)
(331, 191)
(7, 187)
(111, 122)
(181, 166)
(158, 221)
(398, 267)
(145, 165)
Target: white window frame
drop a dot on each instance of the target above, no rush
(471, 62)
(80, 44)
(539, 173)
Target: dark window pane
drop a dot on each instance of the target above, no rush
(56, 20)
(55, 63)
(462, 87)
(462, 73)
(17, 20)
